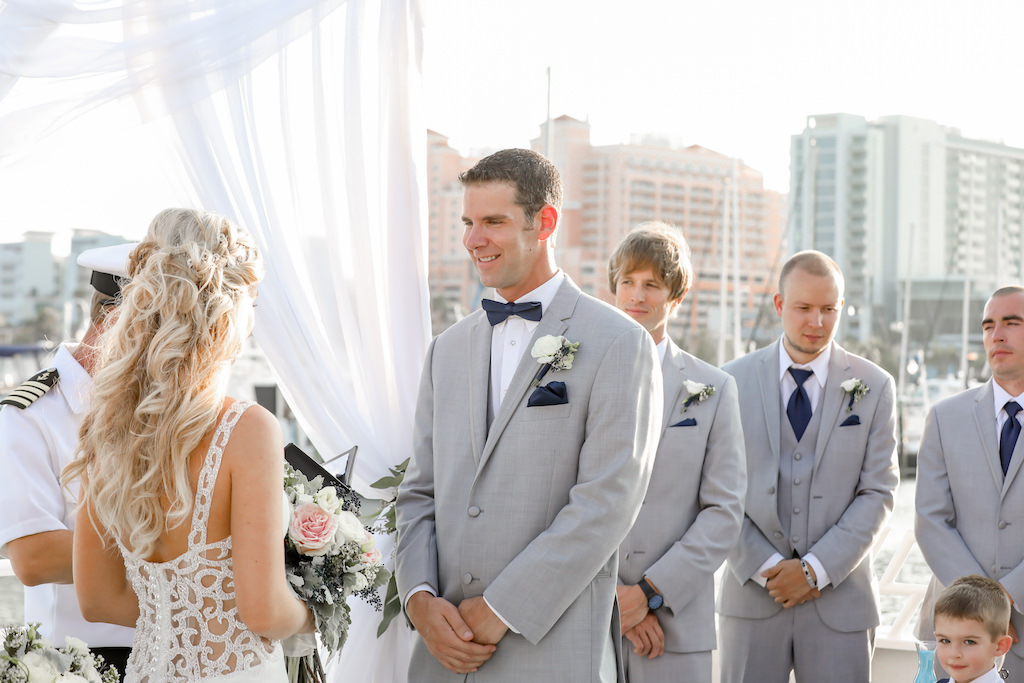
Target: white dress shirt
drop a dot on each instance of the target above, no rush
(510, 338)
(999, 398)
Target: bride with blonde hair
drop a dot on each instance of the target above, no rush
(179, 530)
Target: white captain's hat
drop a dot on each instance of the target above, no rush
(109, 267)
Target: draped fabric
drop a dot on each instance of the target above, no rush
(300, 120)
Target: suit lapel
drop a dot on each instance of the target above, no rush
(553, 322)
(986, 426)
(768, 380)
(674, 374)
(832, 400)
(479, 382)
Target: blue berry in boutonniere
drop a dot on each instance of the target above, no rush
(697, 393)
(856, 389)
(553, 353)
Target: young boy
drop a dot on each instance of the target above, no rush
(972, 618)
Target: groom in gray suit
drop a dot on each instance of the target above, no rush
(970, 488)
(534, 438)
(693, 509)
(798, 594)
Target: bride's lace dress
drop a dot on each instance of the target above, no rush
(188, 627)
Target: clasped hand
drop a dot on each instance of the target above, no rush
(454, 635)
(788, 585)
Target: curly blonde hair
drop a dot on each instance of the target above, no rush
(159, 388)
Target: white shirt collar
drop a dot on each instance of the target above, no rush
(74, 383)
(545, 294)
(662, 347)
(1000, 396)
(819, 365)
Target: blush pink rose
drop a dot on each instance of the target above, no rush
(312, 529)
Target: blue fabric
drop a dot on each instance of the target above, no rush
(497, 312)
(851, 421)
(799, 408)
(1008, 434)
(551, 394)
(688, 422)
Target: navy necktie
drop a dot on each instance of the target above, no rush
(799, 408)
(497, 312)
(1008, 434)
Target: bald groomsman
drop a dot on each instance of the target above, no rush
(819, 426)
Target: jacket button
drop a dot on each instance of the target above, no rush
(474, 511)
(467, 578)
(771, 490)
(1003, 524)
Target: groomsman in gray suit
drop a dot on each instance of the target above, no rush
(693, 509)
(970, 488)
(535, 433)
(798, 594)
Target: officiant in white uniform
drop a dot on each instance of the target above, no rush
(38, 437)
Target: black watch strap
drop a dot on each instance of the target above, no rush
(654, 599)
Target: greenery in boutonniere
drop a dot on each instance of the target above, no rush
(553, 353)
(856, 388)
(697, 393)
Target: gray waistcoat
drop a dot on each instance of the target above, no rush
(796, 465)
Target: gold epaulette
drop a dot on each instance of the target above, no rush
(31, 389)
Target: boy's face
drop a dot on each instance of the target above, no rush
(965, 649)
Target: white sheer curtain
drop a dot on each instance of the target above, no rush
(300, 119)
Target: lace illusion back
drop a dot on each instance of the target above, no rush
(188, 627)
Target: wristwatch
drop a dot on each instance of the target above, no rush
(654, 599)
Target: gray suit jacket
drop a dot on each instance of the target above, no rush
(854, 477)
(693, 509)
(970, 519)
(530, 513)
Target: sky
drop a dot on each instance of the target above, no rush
(736, 76)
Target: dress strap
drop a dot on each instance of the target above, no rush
(208, 474)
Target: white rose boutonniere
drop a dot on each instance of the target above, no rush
(697, 393)
(856, 388)
(553, 353)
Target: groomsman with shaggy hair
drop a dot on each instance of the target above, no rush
(693, 509)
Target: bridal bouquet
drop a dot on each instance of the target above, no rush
(329, 556)
(27, 657)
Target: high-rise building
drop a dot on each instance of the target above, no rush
(29, 277)
(609, 190)
(904, 199)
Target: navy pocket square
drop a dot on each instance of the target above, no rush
(551, 394)
(688, 422)
(851, 421)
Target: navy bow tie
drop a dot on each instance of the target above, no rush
(497, 312)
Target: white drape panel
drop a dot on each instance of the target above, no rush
(300, 119)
